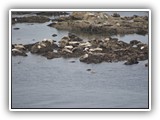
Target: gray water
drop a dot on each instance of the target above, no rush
(58, 83)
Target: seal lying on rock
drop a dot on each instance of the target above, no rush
(92, 51)
(18, 49)
(43, 46)
(92, 58)
(16, 52)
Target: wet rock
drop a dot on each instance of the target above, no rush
(88, 69)
(100, 22)
(72, 61)
(54, 35)
(74, 37)
(20, 12)
(29, 46)
(92, 51)
(43, 47)
(134, 42)
(131, 61)
(78, 50)
(51, 55)
(31, 19)
(116, 15)
(92, 58)
(78, 15)
(146, 65)
(52, 13)
(141, 31)
(16, 28)
(138, 19)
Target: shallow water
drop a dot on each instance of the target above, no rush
(58, 83)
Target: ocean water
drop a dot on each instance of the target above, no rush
(59, 83)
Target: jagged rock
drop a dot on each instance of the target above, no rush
(134, 42)
(52, 13)
(100, 22)
(51, 55)
(74, 37)
(92, 58)
(92, 51)
(43, 47)
(31, 19)
(131, 61)
(116, 15)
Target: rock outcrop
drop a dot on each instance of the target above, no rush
(101, 22)
(92, 51)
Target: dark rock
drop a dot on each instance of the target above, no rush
(16, 28)
(141, 31)
(116, 15)
(52, 13)
(88, 69)
(31, 19)
(134, 42)
(74, 37)
(72, 61)
(92, 58)
(51, 55)
(54, 35)
(43, 47)
(29, 46)
(146, 65)
(13, 47)
(101, 23)
(21, 13)
(131, 61)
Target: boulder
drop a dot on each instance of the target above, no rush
(134, 42)
(43, 47)
(54, 35)
(74, 37)
(131, 61)
(146, 65)
(92, 58)
(116, 15)
(51, 55)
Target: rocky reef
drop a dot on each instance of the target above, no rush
(30, 19)
(91, 51)
(101, 22)
(34, 17)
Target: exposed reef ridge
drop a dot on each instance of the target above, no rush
(101, 22)
(91, 51)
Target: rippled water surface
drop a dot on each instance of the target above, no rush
(59, 83)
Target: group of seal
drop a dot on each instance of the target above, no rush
(91, 51)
